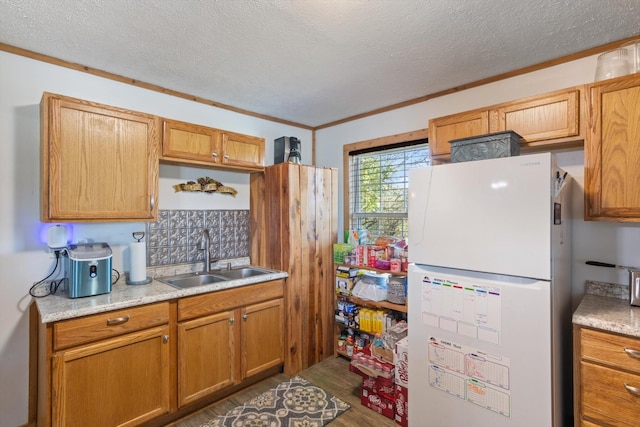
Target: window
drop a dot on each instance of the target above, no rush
(378, 186)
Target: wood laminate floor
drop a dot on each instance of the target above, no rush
(331, 375)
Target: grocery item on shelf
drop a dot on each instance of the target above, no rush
(361, 250)
(345, 279)
(372, 286)
(397, 289)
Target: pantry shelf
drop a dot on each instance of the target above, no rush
(376, 304)
(377, 270)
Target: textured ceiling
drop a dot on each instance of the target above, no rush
(311, 61)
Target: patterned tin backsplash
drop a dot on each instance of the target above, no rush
(175, 237)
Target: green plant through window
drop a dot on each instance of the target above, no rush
(378, 187)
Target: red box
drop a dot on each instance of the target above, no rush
(380, 385)
(377, 402)
(401, 402)
(353, 368)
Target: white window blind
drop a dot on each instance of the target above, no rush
(378, 187)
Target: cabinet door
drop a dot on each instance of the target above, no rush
(188, 141)
(206, 356)
(262, 336)
(612, 151)
(456, 126)
(123, 381)
(544, 118)
(609, 396)
(98, 163)
(242, 150)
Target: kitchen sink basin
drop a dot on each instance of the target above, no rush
(193, 279)
(242, 272)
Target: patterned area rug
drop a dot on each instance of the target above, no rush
(295, 403)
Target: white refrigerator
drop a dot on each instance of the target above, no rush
(489, 294)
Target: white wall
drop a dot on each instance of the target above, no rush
(23, 258)
(610, 242)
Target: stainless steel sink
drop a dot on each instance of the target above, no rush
(242, 272)
(192, 279)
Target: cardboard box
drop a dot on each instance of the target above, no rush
(384, 375)
(382, 354)
(401, 362)
(401, 405)
(345, 279)
(383, 386)
(401, 392)
(376, 402)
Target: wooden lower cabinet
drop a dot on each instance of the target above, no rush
(262, 338)
(123, 381)
(227, 337)
(606, 379)
(151, 364)
(206, 356)
(109, 369)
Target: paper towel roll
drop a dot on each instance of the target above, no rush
(138, 270)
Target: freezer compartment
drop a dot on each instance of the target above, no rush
(495, 216)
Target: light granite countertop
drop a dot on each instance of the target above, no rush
(57, 307)
(606, 307)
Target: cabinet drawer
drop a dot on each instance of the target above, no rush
(67, 333)
(609, 349)
(605, 398)
(200, 305)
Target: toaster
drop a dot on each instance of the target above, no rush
(89, 269)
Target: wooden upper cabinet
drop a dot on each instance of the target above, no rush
(553, 116)
(191, 144)
(98, 163)
(189, 141)
(549, 121)
(242, 150)
(612, 151)
(456, 126)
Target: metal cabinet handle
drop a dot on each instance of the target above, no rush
(245, 316)
(226, 156)
(214, 154)
(165, 339)
(117, 321)
(232, 320)
(631, 389)
(632, 353)
(152, 202)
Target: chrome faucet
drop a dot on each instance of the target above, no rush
(205, 243)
